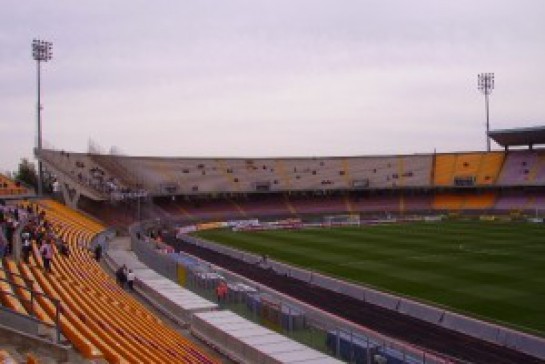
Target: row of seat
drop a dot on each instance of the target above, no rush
(240, 175)
(99, 317)
(464, 201)
(7, 294)
(8, 187)
(286, 206)
(482, 168)
(210, 175)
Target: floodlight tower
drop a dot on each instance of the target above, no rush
(486, 85)
(41, 52)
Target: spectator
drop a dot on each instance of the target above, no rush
(121, 276)
(47, 254)
(130, 280)
(65, 249)
(218, 292)
(3, 244)
(221, 291)
(98, 252)
(10, 228)
(26, 246)
(263, 262)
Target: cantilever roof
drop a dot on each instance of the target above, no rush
(519, 136)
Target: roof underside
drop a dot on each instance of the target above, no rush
(519, 136)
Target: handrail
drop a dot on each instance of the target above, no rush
(34, 293)
(15, 274)
(29, 317)
(13, 284)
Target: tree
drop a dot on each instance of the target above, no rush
(27, 173)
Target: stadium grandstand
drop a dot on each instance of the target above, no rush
(240, 187)
(10, 188)
(79, 305)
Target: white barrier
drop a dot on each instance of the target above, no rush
(325, 282)
(381, 299)
(420, 311)
(280, 268)
(300, 274)
(250, 258)
(525, 343)
(466, 325)
(353, 291)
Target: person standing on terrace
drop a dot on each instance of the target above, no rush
(98, 252)
(3, 244)
(121, 276)
(26, 246)
(221, 291)
(130, 280)
(47, 254)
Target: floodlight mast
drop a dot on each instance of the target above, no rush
(41, 52)
(486, 85)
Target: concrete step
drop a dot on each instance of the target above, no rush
(121, 243)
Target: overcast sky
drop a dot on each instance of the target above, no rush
(269, 78)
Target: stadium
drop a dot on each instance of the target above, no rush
(287, 182)
(403, 258)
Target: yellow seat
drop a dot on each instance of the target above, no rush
(7, 296)
(93, 299)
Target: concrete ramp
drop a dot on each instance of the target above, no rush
(246, 342)
(169, 297)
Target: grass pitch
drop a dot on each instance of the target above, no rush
(492, 270)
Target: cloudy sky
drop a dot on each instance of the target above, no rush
(268, 78)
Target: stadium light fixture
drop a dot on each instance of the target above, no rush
(41, 52)
(486, 85)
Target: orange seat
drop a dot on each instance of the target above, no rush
(115, 323)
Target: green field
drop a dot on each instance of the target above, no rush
(493, 270)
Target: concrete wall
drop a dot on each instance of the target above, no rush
(30, 342)
(20, 322)
(147, 253)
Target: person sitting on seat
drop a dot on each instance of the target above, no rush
(65, 249)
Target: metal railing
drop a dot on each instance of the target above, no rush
(29, 304)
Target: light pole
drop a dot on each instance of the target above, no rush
(486, 85)
(41, 52)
